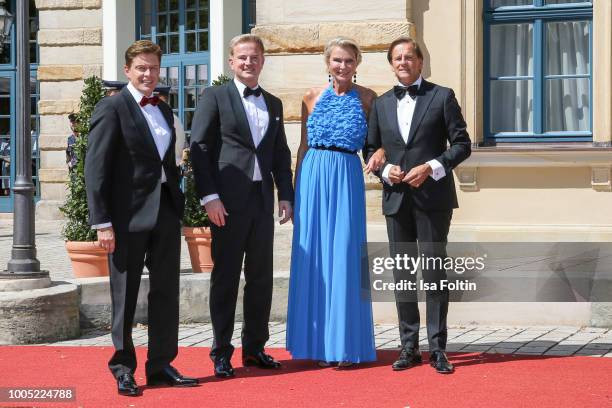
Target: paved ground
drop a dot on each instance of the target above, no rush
(536, 340)
(53, 257)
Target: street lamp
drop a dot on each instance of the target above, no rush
(23, 263)
(6, 21)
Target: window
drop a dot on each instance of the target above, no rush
(249, 16)
(181, 28)
(8, 101)
(538, 70)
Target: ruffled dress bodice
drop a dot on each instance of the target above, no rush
(337, 120)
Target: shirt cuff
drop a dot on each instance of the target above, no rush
(437, 169)
(100, 226)
(385, 174)
(208, 198)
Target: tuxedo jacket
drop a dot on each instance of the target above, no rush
(123, 168)
(437, 131)
(223, 153)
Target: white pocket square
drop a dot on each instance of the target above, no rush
(277, 118)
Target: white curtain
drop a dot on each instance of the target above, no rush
(511, 101)
(566, 101)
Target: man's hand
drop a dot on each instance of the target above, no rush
(106, 239)
(216, 212)
(285, 210)
(417, 175)
(185, 155)
(377, 160)
(396, 175)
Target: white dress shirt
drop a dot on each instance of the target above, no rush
(159, 130)
(257, 115)
(405, 111)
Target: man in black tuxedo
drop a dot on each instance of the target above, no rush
(420, 126)
(135, 205)
(239, 151)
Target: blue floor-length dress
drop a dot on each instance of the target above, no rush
(328, 319)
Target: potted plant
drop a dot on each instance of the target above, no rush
(88, 259)
(196, 226)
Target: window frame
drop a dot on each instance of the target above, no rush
(537, 14)
(180, 59)
(248, 19)
(9, 70)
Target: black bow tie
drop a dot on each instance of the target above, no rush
(400, 91)
(248, 91)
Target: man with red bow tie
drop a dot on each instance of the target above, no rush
(135, 205)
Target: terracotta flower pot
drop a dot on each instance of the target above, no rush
(88, 259)
(198, 241)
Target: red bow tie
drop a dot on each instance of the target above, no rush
(153, 100)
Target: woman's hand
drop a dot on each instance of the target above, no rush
(376, 162)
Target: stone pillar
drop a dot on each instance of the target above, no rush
(473, 80)
(119, 22)
(225, 23)
(602, 67)
(295, 34)
(70, 41)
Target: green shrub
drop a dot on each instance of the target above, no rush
(75, 209)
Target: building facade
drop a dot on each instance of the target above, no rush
(534, 79)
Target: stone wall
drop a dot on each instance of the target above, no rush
(70, 41)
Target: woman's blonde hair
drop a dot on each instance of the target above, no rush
(342, 42)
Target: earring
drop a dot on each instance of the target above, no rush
(328, 77)
(355, 77)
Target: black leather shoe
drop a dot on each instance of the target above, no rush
(439, 361)
(261, 360)
(170, 376)
(223, 368)
(409, 357)
(126, 385)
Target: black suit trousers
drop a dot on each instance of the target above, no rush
(430, 230)
(160, 250)
(247, 236)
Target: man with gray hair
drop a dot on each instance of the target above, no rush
(239, 151)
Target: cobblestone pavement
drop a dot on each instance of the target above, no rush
(534, 340)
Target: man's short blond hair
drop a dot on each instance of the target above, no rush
(345, 43)
(142, 47)
(245, 38)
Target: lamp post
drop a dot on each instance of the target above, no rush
(23, 262)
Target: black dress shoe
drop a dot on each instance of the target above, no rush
(126, 385)
(439, 361)
(409, 357)
(223, 368)
(170, 376)
(261, 360)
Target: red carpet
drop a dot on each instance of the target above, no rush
(480, 380)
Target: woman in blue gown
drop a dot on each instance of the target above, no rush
(330, 314)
